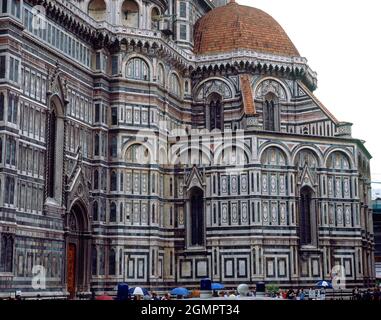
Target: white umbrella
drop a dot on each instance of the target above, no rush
(138, 292)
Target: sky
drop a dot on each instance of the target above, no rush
(342, 42)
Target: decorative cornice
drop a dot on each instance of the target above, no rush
(104, 35)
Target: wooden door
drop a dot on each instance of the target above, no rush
(71, 255)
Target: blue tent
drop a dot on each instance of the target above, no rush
(180, 292)
(323, 284)
(217, 286)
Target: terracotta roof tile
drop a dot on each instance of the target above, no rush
(233, 27)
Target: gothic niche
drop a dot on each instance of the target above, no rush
(307, 164)
(130, 14)
(307, 218)
(97, 10)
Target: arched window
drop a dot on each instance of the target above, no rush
(130, 14)
(95, 211)
(96, 180)
(94, 260)
(215, 112)
(174, 85)
(137, 69)
(112, 212)
(155, 18)
(97, 10)
(197, 217)
(1, 106)
(6, 253)
(161, 75)
(52, 143)
(113, 181)
(271, 117)
(307, 217)
(137, 153)
(111, 262)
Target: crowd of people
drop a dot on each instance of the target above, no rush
(366, 295)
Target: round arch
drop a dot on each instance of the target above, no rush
(128, 57)
(257, 82)
(231, 87)
(332, 150)
(221, 149)
(280, 146)
(314, 150)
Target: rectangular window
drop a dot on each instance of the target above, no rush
(4, 6)
(97, 111)
(15, 8)
(183, 32)
(98, 61)
(26, 82)
(114, 116)
(114, 65)
(2, 66)
(183, 9)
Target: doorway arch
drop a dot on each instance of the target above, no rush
(78, 249)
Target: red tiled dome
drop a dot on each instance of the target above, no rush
(233, 27)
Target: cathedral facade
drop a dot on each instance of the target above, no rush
(162, 142)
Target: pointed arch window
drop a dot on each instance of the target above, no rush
(307, 217)
(197, 217)
(271, 116)
(54, 153)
